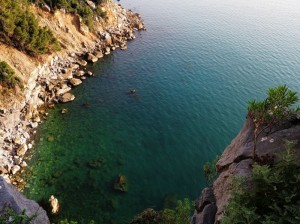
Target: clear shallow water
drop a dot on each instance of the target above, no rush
(194, 71)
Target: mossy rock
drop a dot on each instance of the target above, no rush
(50, 138)
(95, 164)
(121, 183)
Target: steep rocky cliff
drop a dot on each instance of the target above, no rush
(236, 160)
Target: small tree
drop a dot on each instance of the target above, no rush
(277, 107)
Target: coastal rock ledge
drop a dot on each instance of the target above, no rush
(236, 160)
(11, 198)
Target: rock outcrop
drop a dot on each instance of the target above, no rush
(11, 198)
(236, 160)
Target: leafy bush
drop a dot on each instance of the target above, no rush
(269, 196)
(7, 76)
(9, 216)
(210, 171)
(19, 27)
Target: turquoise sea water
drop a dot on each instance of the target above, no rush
(194, 70)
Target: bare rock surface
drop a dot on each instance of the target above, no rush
(10, 197)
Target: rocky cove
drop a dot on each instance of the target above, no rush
(50, 83)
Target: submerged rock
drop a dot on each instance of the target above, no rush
(54, 205)
(121, 184)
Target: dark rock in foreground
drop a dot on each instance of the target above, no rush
(11, 198)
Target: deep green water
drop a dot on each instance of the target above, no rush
(194, 70)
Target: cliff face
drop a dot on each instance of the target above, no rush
(48, 78)
(236, 160)
(13, 199)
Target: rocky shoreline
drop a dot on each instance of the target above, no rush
(49, 84)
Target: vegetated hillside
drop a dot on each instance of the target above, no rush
(30, 33)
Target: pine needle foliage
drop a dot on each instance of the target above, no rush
(20, 28)
(8, 77)
(276, 108)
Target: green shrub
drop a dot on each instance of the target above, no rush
(210, 171)
(269, 196)
(7, 76)
(181, 214)
(9, 216)
(276, 108)
(19, 27)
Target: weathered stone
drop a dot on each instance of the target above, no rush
(63, 89)
(10, 197)
(34, 124)
(75, 82)
(83, 29)
(22, 150)
(15, 169)
(108, 39)
(3, 171)
(68, 74)
(107, 51)
(67, 97)
(207, 197)
(91, 4)
(207, 216)
(82, 62)
(54, 205)
(99, 54)
(92, 58)
(79, 73)
(223, 185)
(46, 8)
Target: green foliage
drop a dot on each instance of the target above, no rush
(276, 108)
(7, 76)
(210, 171)
(77, 7)
(19, 27)
(269, 196)
(181, 214)
(9, 216)
(65, 221)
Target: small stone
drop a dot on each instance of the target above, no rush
(22, 150)
(79, 73)
(23, 164)
(15, 169)
(29, 146)
(75, 82)
(92, 58)
(34, 125)
(64, 111)
(67, 97)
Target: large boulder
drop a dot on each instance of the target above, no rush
(11, 198)
(205, 208)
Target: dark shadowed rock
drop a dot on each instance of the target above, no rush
(10, 197)
(207, 197)
(207, 216)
